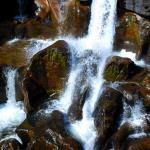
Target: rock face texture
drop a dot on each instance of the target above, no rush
(46, 133)
(49, 67)
(141, 7)
(133, 34)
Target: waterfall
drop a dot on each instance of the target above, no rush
(90, 50)
(10, 87)
(21, 14)
(12, 113)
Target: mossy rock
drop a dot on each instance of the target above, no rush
(120, 69)
(132, 34)
(50, 67)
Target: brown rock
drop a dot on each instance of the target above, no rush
(20, 75)
(75, 110)
(123, 69)
(46, 132)
(33, 94)
(50, 67)
(132, 34)
(106, 116)
(121, 135)
(138, 144)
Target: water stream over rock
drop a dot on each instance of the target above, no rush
(12, 113)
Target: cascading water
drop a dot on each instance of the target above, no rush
(21, 15)
(12, 113)
(88, 51)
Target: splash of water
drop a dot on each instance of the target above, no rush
(98, 44)
(12, 113)
(135, 116)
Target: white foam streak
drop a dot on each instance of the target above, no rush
(99, 40)
(12, 113)
(131, 55)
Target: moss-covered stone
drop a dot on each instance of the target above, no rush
(132, 34)
(49, 67)
(121, 69)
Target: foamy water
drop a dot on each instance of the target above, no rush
(12, 113)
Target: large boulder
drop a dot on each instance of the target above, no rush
(106, 116)
(46, 132)
(123, 69)
(50, 67)
(141, 7)
(132, 34)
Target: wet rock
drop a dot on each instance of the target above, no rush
(140, 144)
(122, 135)
(3, 97)
(123, 69)
(49, 8)
(76, 20)
(46, 132)
(50, 67)
(141, 7)
(33, 94)
(34, 28)
(10, 144)
(75, 110)
(132, 34)
(134, 92)
(69, 16)
(107, 115)
(20, 75)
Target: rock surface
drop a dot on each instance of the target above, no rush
(123, 69)
(141, 7)
(50, 67)
(106, 116)
(42, 133)
(132, 34)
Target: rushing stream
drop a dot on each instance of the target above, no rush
(90, 50)
(12, 113)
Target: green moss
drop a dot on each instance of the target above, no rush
(115, 72)
(56, 58)
(54, 91)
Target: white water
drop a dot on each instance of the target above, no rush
(99, 42)
(11, 113)
(135, 115)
